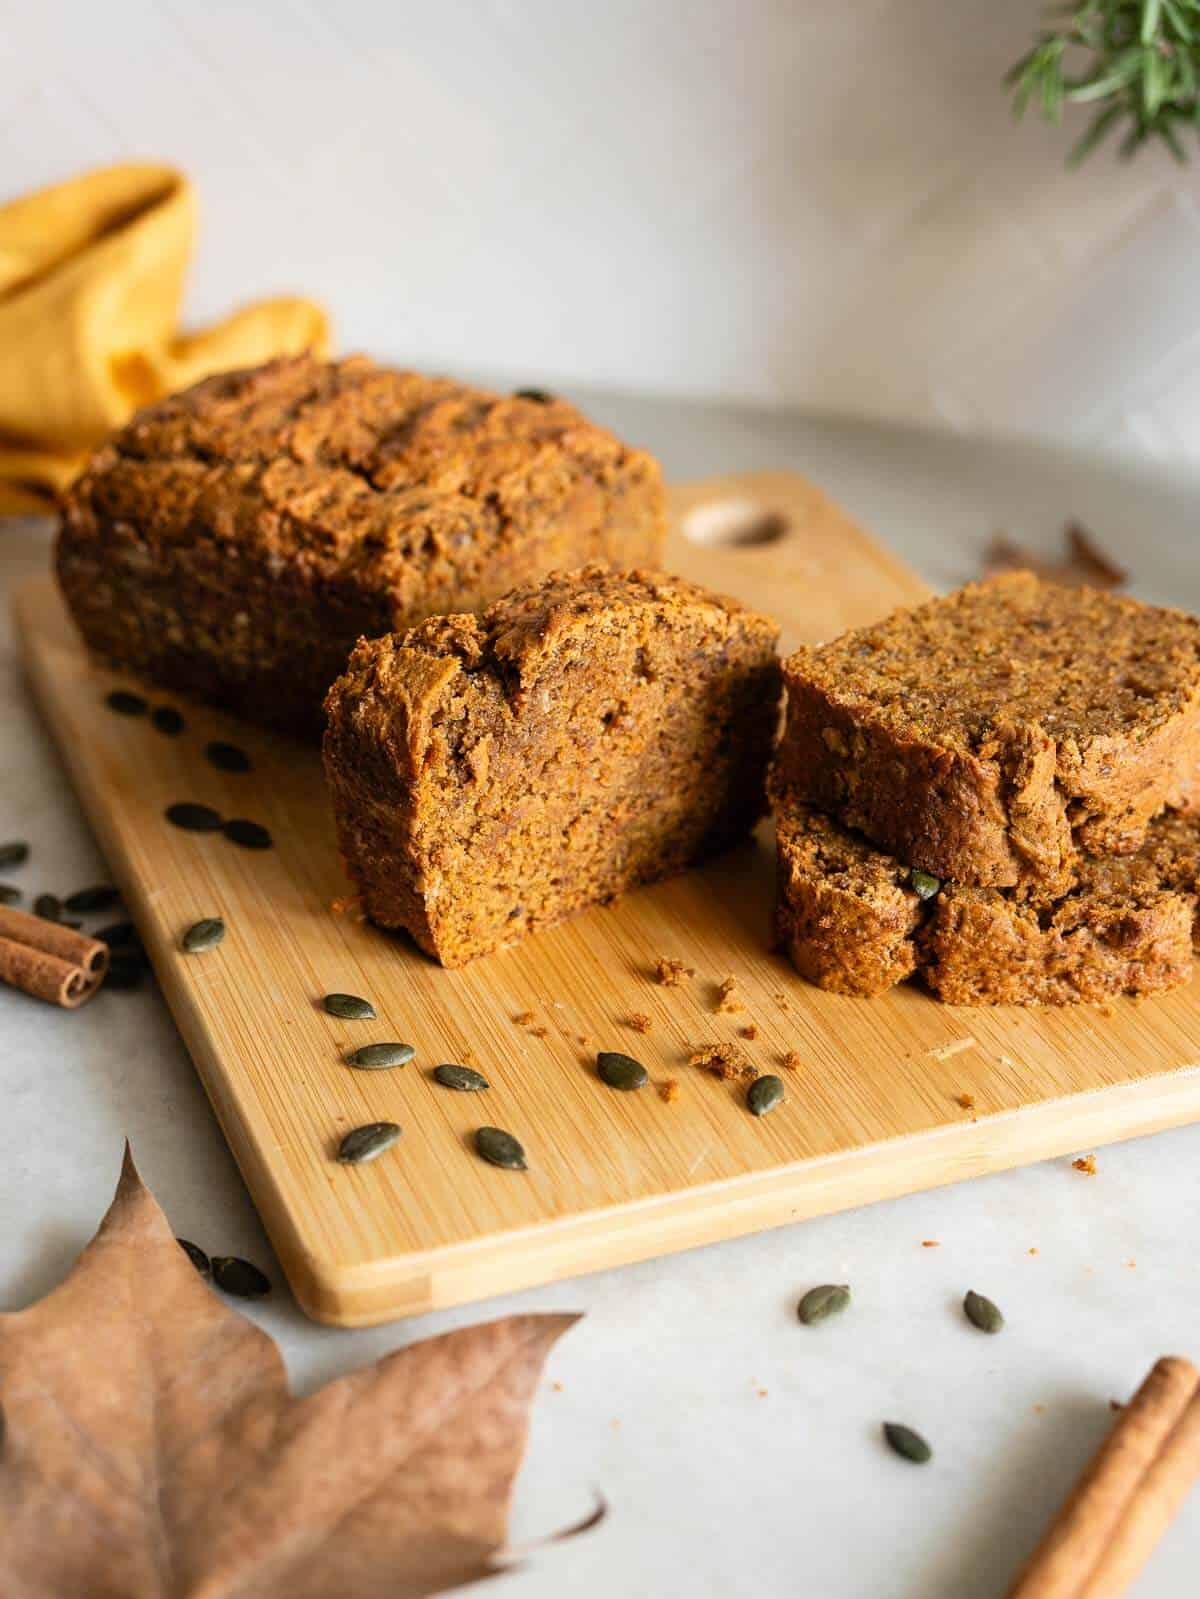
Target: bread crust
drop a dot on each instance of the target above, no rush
(234, 540)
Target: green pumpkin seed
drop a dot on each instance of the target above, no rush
(763, 1095)
(197, 1256)
(239, 1277)
(500, 1148)
(925, 884)
(101, 898)
(461, 1078)
(365, 1143)
(193, 818)
(250, 835)
(830, 1299)
(49, 907)
(14, 854)
(202, 935)
(125, 703)
(167, 719)
(349, 1007)
(227, 757)
(982, 1313)
(10, 894)
(379, 1057)
(907, 1443)
(621, 1071)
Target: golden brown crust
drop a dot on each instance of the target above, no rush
(234, 540)
(494, 774)
(851, 921)
(992, 735)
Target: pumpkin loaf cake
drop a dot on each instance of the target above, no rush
(851, 920)
(235, 540)
(494, 774)
(992, 735)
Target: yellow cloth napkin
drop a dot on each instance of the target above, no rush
(91, 279)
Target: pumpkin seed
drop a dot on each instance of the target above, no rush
(48, 906)
(125, 703)
(227, 757)
(982, 1313)
(196, 1255)
(925, 884)
(193, 818)
(500, 1148)
(538, 396)
(461, 1078)
(379, 1057)
(250, 835)
(14, 854)
(202, 935)
(101, 898)
(126, 968)
(621, 1071)
(349, 1007)
(9, 894)
(830, 1299)
(239, 1277)
(167, 720)
(907, 1443)
(365, 1143)
(763, 1095)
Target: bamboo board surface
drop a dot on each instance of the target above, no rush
(873, 1110)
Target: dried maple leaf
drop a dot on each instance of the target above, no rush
(150, 1447)
(1083, 561)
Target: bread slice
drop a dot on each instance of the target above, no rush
(851, 920)
(235, 540)
(991, 736)
(494, 774)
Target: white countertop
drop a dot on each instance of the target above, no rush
(739, 1451)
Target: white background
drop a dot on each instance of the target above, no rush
(783, 200)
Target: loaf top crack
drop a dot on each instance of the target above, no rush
(990, 735)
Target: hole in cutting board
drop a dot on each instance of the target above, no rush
(734, 522)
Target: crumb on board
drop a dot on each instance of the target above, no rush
(1007, 1060)
(1086, 1164)
(539, 1031)
(672, 973)
(1106, 1009)
(466, 1056)
(750, 1030)
(931, 1243)
(347, 902)
(640, 1022)
(781, 1000)
(725, 1061)
(965, 1101)
(523, 1018)
(728, 1003)
(954, 1047)
(668, 1091)
(583, 1039)
(792, 1061)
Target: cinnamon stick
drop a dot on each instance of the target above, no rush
(1124, 1501)
(49, 961)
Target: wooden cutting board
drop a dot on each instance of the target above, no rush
(892, 1094)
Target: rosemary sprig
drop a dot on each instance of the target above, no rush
(1136, 61)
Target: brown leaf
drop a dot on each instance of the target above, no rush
(1083, 562)
(150, 1448)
